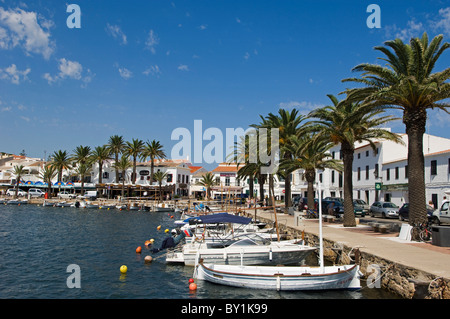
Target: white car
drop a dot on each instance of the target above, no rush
(66, 195)
(12, 192)
(34, 192)
(442, 215)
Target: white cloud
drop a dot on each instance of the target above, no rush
(152, 70)
(69, 70)
(14, 75)
(443, 22)
(203, 27)
(116, 32)
(246, 55)
(6, 109)
(27, 119)
(183, 67)
(152, 41)
(125, 73)
(412, 29)
(20, 28)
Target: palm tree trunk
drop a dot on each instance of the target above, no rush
(310, 176)
(134, 170)
(347, 158)
(117, 170)
(261, 179)
(100, 172)
(152, 168)
(17, 187)
(287, 190)
(251, 186)
(271, 190)
(415, 128)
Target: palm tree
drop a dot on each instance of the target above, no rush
(47, 174)
(60, 160)
(82, 170)
(407, 83)
(81, 154)
(207, 181)
(134, 149)
(346, 123)
(310, 154)
(159, 177)
(116, 145)
(154, 150)
(18, 171)
(122, 165)
(288, 124)
(99, 155)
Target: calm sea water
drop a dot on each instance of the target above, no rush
(39, 243)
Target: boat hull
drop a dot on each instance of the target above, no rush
(281, 278)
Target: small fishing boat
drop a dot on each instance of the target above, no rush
(164, 208)
(281, 278)
(88, 204)
(17, 202)
(63, 204)
(48, 203)
(122, 207)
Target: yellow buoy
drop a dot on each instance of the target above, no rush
(167, 230)
(123, 269)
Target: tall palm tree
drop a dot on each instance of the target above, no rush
(60, 160)
(311, 153)
(134, 149)
(47, 174)
(81, 154)
(159, 177)
(99, 155)
(346, 123)
(18, 171)
(207, 181)
(116, 145)
(154, 150)
(288, 124)
(82, 170)
(407, 83)
(122, 165)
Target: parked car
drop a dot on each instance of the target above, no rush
(35, 192)
(361, 207)
(403, 212)
(384, 209)
(302, 202)
(442, 215)
(12, 192)
(66, 195)
(339, 199)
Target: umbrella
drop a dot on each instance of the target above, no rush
(29, 183)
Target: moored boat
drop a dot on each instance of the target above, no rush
(281, 278)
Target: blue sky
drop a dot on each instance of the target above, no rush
(144, 68)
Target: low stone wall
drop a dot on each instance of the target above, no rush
(404, 281)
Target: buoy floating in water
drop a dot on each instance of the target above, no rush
(167, 230)
(148, 259)
(191, 280)
(139, 250)
(123, 269)
(192, 286)
(159, 227)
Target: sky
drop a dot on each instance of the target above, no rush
(142, 69)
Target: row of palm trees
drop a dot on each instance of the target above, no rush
(406, 82)
(84, 157)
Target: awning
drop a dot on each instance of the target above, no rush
(218, 218)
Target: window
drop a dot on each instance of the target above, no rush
(434, 167)
(105, 175)
(449, 166)
(388, 174)
(367, 171)
(397, 173)
(320, 177)
(359, 155)
(332, 177)
(367, 153)
(169, 178)
(406, 171)
(376, 171)
(332, 154)
(227, 181)
(359, 173)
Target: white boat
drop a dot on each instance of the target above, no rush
(281, 278)
(164, 208)
(122, 207)
(250, 249)
(88, 204)
(284, 278)
(48, 203)
(63, 204)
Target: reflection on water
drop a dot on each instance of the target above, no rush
(38, 243)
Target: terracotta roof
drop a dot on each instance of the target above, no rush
(195, 168)
(225, 167)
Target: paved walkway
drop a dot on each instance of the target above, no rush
(422, 256)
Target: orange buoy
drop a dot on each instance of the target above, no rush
(192, 286)
(138, 250)
(148, 259)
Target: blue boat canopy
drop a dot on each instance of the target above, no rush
(218, 218)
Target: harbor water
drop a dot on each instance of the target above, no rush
(39, 243)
